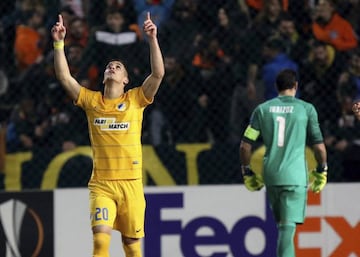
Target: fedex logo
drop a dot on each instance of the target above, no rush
(347, 234)
(235, 237)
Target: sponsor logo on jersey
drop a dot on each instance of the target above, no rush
(111, 124)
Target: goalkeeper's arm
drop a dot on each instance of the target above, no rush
(319, 175)
(251, 180)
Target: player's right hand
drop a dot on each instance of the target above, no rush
(58, 31)
(252, 182)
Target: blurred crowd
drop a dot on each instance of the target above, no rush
(221, 60)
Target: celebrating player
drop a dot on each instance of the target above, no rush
(284, 123)
(114, 120)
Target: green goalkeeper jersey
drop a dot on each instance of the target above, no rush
(285, 124)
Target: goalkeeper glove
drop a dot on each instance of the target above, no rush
(251, 180)
(319, 178)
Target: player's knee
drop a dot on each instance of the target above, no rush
(132, 247)
(101, 245)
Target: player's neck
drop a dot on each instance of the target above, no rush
(288, 92)
(113, 90)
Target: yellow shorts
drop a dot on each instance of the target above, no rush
(119, 204)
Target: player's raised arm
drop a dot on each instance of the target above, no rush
(152, 82)
(71, 86)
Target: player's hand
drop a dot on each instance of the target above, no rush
(252, 181)
(318, 178)
(149, 27)
(58, 31)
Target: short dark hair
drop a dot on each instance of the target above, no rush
(285, 16)
(275, 43)
(286, 79)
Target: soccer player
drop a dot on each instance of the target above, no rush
(285, 123)
(114, 119)
(356, 109)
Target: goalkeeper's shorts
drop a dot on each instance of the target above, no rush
(288, 203)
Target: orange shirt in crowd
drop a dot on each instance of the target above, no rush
(27, 46)
(258, 4)
(200, 62)
(338, 33)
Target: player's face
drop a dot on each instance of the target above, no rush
(115, 70)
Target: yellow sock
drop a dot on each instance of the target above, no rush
(101, 245)
(132, 250)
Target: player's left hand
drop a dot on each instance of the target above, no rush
(149, 27)
(252, 181)
(318, 178)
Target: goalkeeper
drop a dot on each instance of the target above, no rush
(285, 123)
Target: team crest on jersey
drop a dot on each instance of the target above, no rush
(121, 107)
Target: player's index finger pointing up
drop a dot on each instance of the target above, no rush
(148, 15)
(61, 19)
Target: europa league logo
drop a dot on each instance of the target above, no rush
(12, 214)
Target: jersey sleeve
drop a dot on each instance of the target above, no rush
(138, 94)
(85, 97)
(313, 127)
(252, 131)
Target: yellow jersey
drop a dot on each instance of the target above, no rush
(115, 132)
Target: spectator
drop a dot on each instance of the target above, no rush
(177, 115)
(30, 40)
(227, 32)
(350, 10)
(67, 13)
(265, 24)
(77, 6)
(74, 53)
(115, 39)
(207, 13)
(276, 61)
(159, 9)
(231, 42)
(78, 32)
(320, 75)
(215, 72)
(182, 26)
(267, 21)
(343, 141)
(9, 21)
(21, 128)
(349, 80)
(295, 45)
(329, 27)
(97, 11)
(255, 6)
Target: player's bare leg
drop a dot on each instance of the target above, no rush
(131, 246)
